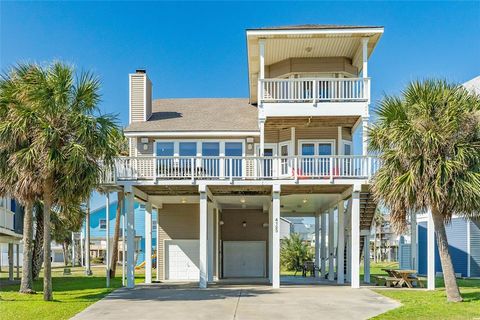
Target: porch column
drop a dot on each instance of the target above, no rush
(323, 244)
(88, 271)
(157, 267)
(430, 253)
(261, 73)
(203, 236)
(365, 57)
(413, 241)
(10, 261)
(366, 258)
(276, 236)
(18, 259)
(210, 239)
(270, 244)
(317, 243)
(107, 238)
(129, 211)
(261, 124)
(355, 238)
(331, 245)
(148, 242)
(341, 244)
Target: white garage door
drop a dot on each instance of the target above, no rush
(182, 259)
(244, 259)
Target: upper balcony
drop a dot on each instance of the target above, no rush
(311, 70)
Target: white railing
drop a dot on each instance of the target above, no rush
(314, 90)
(242, 168)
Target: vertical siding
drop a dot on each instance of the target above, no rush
(176, 221)
(137, 97)
(475, 248)
(457, 240)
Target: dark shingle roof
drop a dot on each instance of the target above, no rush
(199, 114)
(314, 26)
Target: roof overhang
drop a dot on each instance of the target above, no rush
(191, 133)
(281, 44)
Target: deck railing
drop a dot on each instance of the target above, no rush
(314, 90)
(241, 168)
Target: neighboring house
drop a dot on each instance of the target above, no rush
(98, 231)
(306, 231)
(385, 241)
(11, 233)
(286, 228)
(223, 171)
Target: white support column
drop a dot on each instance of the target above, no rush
(73, 249)
(107, 238)
(413, 241)
(157, 267)
(355, 238)
(203, 236)
(261, 124)
(130, 219)
(430, 253)
(365, 57)
(148, 242)
(317, 243)
(331, 245)
(210, 239)
(276, 236)
(261, 73)
(88, 271)
(364, 136)
(10, 261)
(123, 247)
(341, 244)
(339, 141)
(366, 258)
(270, 244)
(17, 257)
(323, 244)
(82, 252)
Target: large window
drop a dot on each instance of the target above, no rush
(316, 161)
(211, 166)
(165, 149)
(234, 149)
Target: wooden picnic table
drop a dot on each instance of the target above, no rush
(404, 276)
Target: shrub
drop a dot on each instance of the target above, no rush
(294, 252)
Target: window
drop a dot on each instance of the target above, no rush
(188, 149)
(234, 149)
(164, 149)
(210, 149)
(103, 224)
(324, 149)
(347, 148)
(211, 166)
(316, 162)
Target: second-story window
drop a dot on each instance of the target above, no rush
(103, 224)
(165, 149)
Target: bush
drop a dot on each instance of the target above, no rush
(97, 260)
(294, 252)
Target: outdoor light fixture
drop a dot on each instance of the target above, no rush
(221, 222)
(242, 200)
(244, 224)
(265, 225)
(184, 200)
(305, 200)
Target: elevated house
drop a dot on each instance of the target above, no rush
(11, 233)
(221, 172)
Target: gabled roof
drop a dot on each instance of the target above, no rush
(199, 114)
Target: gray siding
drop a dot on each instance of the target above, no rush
(137, 97)
(475, 248)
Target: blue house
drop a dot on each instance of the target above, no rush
(464, 247)
(98, 229)
(11, 233)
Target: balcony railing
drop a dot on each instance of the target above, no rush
(314, 90)
(6, 219)
(241, 168)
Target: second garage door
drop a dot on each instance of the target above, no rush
(182, 260)
(244, 259)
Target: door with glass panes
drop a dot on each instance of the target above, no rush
(316, 158)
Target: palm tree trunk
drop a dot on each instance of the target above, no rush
(47, 264)
(116, 234)
(451, 287)
(38, 245)
(26, 285)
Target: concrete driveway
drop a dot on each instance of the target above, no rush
(238, 302)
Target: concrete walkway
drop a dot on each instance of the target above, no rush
(163, 301)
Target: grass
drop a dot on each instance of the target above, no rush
(71, 295)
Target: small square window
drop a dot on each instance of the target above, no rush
(103, 224)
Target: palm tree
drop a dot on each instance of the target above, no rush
(116, 234)
(66, 139)
(428, 140)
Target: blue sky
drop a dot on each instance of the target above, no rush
(197, 49)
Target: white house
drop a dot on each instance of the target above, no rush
(223, 171)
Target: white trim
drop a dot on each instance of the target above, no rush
(219, 134)
(316, 142)
(314, 31)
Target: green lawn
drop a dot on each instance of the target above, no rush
(71, 295)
